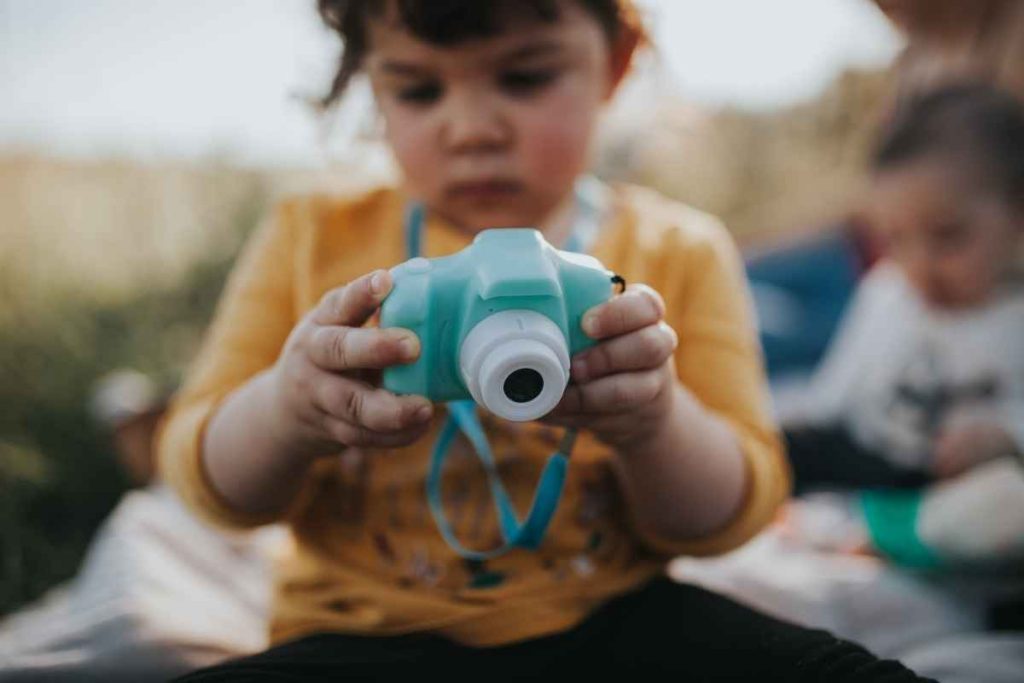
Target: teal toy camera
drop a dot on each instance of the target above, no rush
(497, 321)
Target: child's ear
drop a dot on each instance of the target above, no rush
(621, 56)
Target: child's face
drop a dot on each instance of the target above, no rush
(493, 132)
(954, 238)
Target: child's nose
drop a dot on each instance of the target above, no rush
(473, 124)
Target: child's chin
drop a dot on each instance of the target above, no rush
(480, 217)
(952, 303)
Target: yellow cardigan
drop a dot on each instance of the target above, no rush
(366, 557)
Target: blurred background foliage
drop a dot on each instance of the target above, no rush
(104, 265)
(108, 264)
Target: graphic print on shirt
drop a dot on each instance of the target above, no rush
(396, 531)
(924, 398)
(352, 483)
(400, 533)
(380, 499)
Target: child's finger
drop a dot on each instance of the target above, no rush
(639, 306)
(337, 348)
(611, 394)
(643, 349)
(940, 465)
(944, 458)
(353, 304)
(370, 408)
(355, 435)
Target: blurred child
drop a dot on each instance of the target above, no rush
(490, 110)
(129, 405)
(926, 378)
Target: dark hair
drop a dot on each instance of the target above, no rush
(450, 22)
(969, 120)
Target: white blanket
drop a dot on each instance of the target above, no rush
(159, 593)
(933, 625)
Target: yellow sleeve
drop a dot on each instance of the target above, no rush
(719, 360)
(254, 317)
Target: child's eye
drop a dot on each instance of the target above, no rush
(421, 93)
(526, 81)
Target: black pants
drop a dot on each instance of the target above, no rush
(828, 458)
(660, 629)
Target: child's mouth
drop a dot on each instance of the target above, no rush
(484, 191)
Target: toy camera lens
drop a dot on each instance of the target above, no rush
(524, 385)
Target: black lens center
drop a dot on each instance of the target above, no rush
(524, 385)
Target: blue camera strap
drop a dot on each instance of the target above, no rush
(529, 534)
(462, 417)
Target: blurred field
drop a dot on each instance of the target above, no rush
(765, 175)
(109, 264)
(101, 265)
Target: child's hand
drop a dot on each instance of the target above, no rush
(324, 394)
(622, 387)
(960, 448)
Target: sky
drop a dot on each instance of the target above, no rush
(178, 79)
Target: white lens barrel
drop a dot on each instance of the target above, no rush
(515, 364)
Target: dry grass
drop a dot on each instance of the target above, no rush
(101, 230)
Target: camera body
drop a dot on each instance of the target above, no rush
(497, 321)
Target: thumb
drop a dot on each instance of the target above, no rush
(353, 304)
